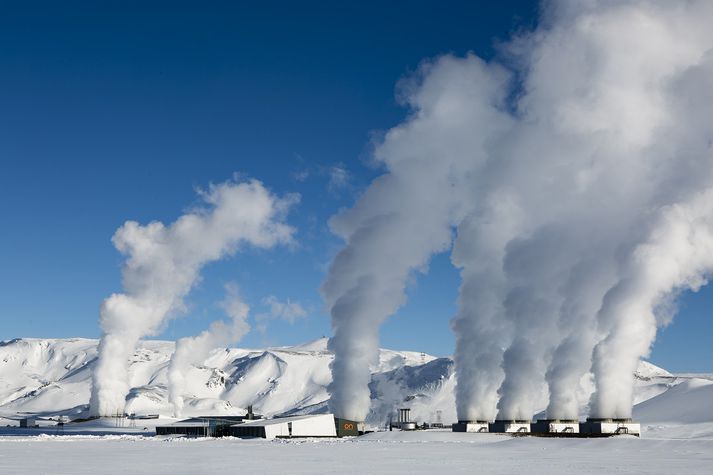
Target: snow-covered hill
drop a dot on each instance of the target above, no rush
(52, 377)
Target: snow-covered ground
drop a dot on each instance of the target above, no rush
(396, 452)
(51, 377)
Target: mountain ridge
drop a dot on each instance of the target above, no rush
(47, 376)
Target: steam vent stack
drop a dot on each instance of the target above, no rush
(404, 420)
(556, 426)
(603, 426)
(470, 426)
(510, 426)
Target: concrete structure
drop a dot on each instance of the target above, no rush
(509, 427)
(595, 426)
(316, 425)
(470, 426)
(555, 426)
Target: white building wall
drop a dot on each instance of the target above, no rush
(276, 430)
(321, 425)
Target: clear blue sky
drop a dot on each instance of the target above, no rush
(117, 110)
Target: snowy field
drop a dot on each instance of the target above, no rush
(395, 452)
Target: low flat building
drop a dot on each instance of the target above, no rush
(204, 426)
(186, 428)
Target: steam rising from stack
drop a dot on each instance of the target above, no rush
(162, 265)
(576, 172)
(403, 218)
(194, 350)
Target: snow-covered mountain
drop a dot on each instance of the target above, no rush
(53, 376)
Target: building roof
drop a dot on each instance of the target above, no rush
(279, 420)
(216, 418)
(186, 424)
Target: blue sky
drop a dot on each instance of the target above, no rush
(119, 110)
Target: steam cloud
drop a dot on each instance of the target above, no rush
(404, 217)
(162, 265)
(194, 350)
(576, 170)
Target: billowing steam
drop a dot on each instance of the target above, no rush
(677, 256)
(403, 218)
(575, 170)
(194, 350)
(162, 265)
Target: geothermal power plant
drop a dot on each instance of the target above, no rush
(573, 199)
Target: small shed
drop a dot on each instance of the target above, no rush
(316, 425)
(27, 423)
(348, 428)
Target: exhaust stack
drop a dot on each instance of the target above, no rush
(606, 426)
(506, 426)
(470, 426)
(556, 426)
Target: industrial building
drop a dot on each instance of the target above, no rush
(206, 426)
(315, 425)
(28, 423)
(403, 420)
(203, 426)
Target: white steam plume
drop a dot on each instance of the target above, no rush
(406, 215)
(479, 327)
(556, 176)
(600, 137)
(194, 350)
(162, 265)
(678, 256)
